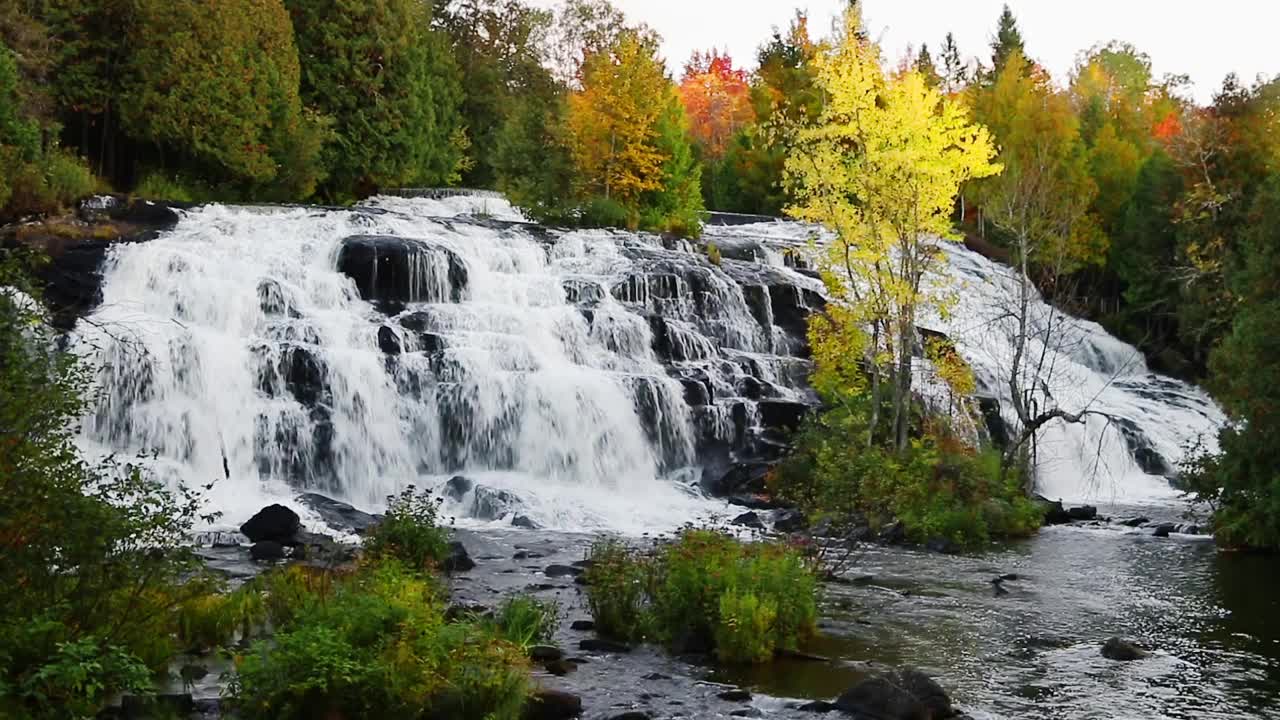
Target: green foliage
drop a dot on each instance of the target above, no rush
(159, 186)
(675, 207)
(713, 254)
(390, 84)
(411, 531)
(1241, 484)
(94, 556)
(376, 644)
(705, 589)
(525, 621)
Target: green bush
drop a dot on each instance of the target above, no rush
(95, 557)
(376, 644)
(606, 213)
(705, 590)
(526, 621)
(411, 531)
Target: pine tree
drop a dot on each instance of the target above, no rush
(1008, 40)
(954, 72)
(924, 65)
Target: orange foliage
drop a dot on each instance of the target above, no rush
(1168, 128)
(716, 98)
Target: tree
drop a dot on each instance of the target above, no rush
(887, 203)
(217, 83)
(613, 122)
(501, 48)
(1008, 41)
(924, 65)
(676, 206)
(716, 100)
(1042, 203)
(955, 74)
(584, 28)
(391, 87)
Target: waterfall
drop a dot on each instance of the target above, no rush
(580, 379)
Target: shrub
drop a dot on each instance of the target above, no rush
(603, 212)
(173, 188)
(376, 644)
(705, 590)
(411, 531)
(526, 621)
(95, 557)
(713, 254)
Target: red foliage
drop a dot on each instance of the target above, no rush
(716, 99)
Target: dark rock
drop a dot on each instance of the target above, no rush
(895, 533)
(1163, 530)
(743, 478)
(747, 712)
(656, 676)
(817, 706)
(1084, 512)
(526, 555)
(403, 270)
(750, 388)
(750, 520)
(490, 504)
(633, 715)
(457, 487)
(789, 520)
(904, 694)
(1189, 529)
(582, 625)
(998, 590)
(267, 550)
(583, 292)
(1010, 577)
(552, 705)
(1054, 512)
(524, 521)
(556, 571)
(1122, 650)
(1134, 522)
(603, 645)
(755, 502)
(339, 515)
(274, 522)
(560, 668)
(458, 560)
(735, 695)
(273, 300)
(388, 341)
(144, 707)
(696, 393)
(783, 415)
(303, 374)
(545, 653)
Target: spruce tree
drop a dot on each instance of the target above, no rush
(1008, 40)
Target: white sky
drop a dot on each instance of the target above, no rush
(1203, 39)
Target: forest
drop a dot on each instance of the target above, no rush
(1112, 193)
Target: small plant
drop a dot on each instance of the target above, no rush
(411, 531)
(617, 589)
(527, 621)
(713, 254)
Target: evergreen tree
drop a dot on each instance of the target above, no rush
(954, 72)
(392, 88)
(1008, 40)
(924, 65)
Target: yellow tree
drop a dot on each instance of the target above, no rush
(881, 169)
(614, 119)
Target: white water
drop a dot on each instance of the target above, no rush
(203, 332)
(1084, 368)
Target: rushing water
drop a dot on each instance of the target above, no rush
(585, 380)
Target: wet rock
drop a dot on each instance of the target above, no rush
(552, 705)
(895, 533)
(458, 560)
(1133, 522)
(457, 487)
(274, 522)
(633, 715)
(300, 372)
(557, 571)
(1054, 512)
(817, 706)
(560, 668)
(339, 515)
(388, 341)
(747, 712)
(735, 695)
(583, 292)
(582, 625)
(755, 502)
(1084, 512)
(789, 520)
(1189, 529)
(749, 520)
(904, 694)
(742, 478)
(403, 270)
(1118, 649)
(696, 392)
(545, 653)
(266, 551)
(603, 645)
(524, 521)
(273, 300)
(783, 415)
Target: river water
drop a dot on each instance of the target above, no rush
(583, 379)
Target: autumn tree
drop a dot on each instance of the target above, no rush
(1008, 40)
(717, 102)
(613, 122)
(888, 204)
(924, 65)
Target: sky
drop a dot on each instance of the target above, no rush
(1205, 40)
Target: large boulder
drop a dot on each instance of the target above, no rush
(552, 705)
(784, 415)
(458, 559)
(274, 522)
(742, 478)
(339, 515)
(1118, 649)
(395, 270)
(903, 694)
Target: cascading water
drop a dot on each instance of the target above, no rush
(1139, 424)
(578, 379)
(573, 378)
